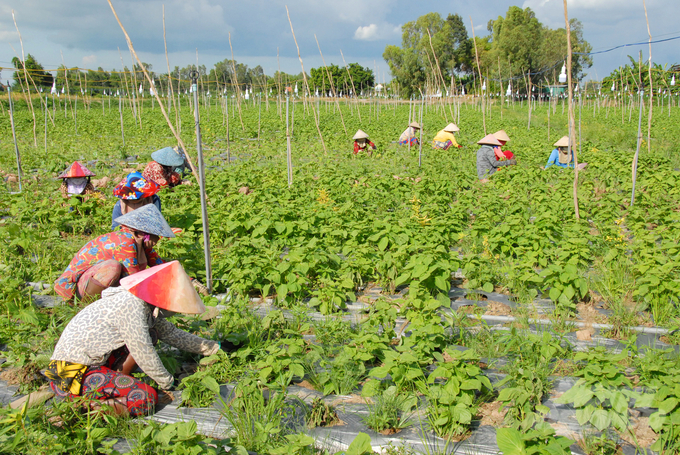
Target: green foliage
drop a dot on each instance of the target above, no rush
(538, 441)
(390, 410)
(452, 402)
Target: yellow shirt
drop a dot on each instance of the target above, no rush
(444, 136)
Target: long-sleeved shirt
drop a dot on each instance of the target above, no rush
(367, 146)
(487, 163)
(555, 160)
(442, 137)
(154, 171)
(119, 245)
(121, 319)
(117, 211)
(409, 134)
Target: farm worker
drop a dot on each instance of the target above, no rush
(88, 356)
(487, 164)
(162, 169)
(76, 182)
(445, 138)
(409, 134)
(503, 137)
(562, 156)
(361, 143)
(103, 261)
(133, 192)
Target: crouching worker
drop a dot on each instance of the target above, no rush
(487, 158)
(562, 155)
(87, 358)
(362, 143)
(445, 139)
(103, 261)
(76, 182)
(408, 137)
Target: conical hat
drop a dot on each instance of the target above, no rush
(360, 135)
(166, 286)
(414, 125)
(563, 142)
(146, 219)
(451, 128)
(76, 170)
(134, 187)
(489, 139)
(501, 135)
(168, 156)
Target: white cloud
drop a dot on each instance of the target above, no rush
(374, 32)
(90, 61)
(366, 33)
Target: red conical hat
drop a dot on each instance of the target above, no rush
(76, 170)
(166, 286)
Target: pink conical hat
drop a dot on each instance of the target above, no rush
(76, 170)
(166, 286)
(489, 139)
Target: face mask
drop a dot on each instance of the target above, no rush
(76, 185)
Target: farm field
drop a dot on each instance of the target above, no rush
(374, 302)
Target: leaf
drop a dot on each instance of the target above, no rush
(554, 294)
(99, 433)
(600, 419)
(282, 291)
(619, 402)
(379, 372)
(488, 287)
(510, 441)
(657, 421)
(382, 244)
(211, 384)
(668, 405)
(583, 396)
(361, 445)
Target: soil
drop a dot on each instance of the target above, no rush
(306, 384)
(644, 435)
(669, 339)
(588, 314)
(389, 431)
(23, 375)
(491, 415)
(352, 399)
(476, 296)
(497, 309)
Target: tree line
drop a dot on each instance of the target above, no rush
(437, 52)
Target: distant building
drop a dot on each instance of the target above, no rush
(554, 90)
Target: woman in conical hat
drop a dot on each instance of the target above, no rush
(361, 143)
(134, 192)
(503, 138)
(87, 358)
(409, 134)
(162, 169)
(76, 182)
(487, 164)
(104, 260)
(562, 155)
(445, 139)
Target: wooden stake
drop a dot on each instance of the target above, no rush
(572, 132)
(480, 71)
(651, 88)
(172, 128)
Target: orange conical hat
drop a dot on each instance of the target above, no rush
(166, 286)
(76, 170)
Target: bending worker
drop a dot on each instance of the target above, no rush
(562, 156)
(445, 138)
(487, 163)
(409, 135)
(98, 340)
(162, 169)
(362, 143)
(76, 182)
(134, 192)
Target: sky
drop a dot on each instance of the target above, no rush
(85, 34)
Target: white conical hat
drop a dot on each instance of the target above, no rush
(360, 134)
(166, 286)
(489, 139)
(451, 128)
(501, 135)
(563, 142)
(414, 125)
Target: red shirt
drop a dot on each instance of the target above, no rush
(154, 171)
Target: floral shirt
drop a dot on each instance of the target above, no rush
(119, 245)
(409, 135)
(154, 171)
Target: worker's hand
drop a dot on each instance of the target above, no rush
(200, 287)
(153, 240)
(512, 162)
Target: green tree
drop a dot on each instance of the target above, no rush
(35, 70)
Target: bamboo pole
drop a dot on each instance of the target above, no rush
(171, 92)
(238, 88)
(572, 132)
(304, 77)
(337, 103)
(480, 71)
(651, 85)
(146, 74)
(354, 89)
(23, 64)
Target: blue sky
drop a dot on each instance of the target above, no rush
(87, 35)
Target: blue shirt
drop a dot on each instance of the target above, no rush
(118, 212)
(555, 159)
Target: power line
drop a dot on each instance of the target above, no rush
(627, 45)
